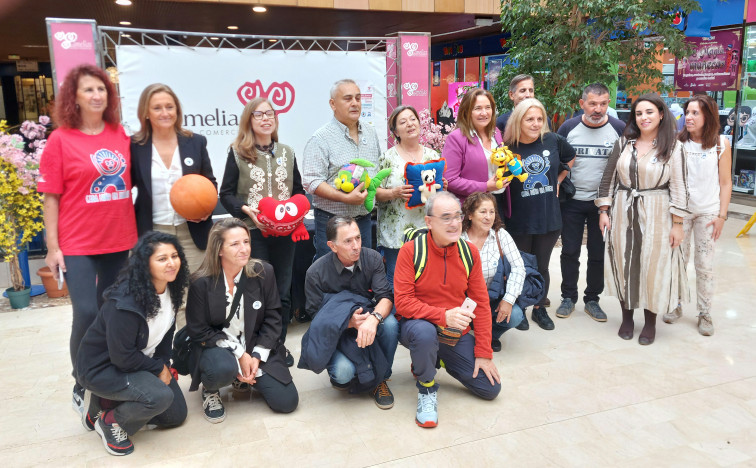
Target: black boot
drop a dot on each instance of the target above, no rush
(626, 329)
(649, 329)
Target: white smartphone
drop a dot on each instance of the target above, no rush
(604, 233)
(60, 277)
(469, 305)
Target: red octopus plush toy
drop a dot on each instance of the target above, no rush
(285, 217)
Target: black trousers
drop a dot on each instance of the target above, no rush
(575, 215)
(540, 245)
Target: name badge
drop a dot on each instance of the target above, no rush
(188, 161)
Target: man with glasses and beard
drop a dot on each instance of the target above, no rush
(592, 134)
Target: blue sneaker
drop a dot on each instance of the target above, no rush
(427, 409)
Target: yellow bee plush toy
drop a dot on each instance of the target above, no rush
(508, 164)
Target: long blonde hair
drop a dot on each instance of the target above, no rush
(513, 132)
(143, 110)
(211, 264)
(244, 144)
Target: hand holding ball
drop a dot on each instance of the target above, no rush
(194, 197)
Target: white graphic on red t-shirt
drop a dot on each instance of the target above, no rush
(110, 185)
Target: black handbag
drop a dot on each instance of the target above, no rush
(183, 355)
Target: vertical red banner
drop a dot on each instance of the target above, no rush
(392, 81)
(72, 43)
(414, 70)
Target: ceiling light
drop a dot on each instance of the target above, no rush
(272, 40)
(36, 46)
(123, 2)
(14, 57)
(125, 35)
(259, 9)
(233, 28)
(213, 38)
(125, 23)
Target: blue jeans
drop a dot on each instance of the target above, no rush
(279, 252)
(390, 256)
(497, 328)
(321, 218)
(342, 371)
(146, 399)
(419, 336)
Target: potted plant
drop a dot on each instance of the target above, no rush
(20, 203)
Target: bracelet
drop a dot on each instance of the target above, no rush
(606, 212)
(677, 222)
(722, 217)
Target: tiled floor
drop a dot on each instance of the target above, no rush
(576, 396)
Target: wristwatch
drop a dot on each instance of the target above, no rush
(722, 217)
(378, 316)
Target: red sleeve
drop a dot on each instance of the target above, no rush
(406, 302)
(50, 166)
(478, 292)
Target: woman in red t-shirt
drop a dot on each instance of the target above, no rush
(88, 212)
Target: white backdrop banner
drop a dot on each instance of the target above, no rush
(214, 84)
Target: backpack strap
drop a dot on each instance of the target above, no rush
(421, 254)
(466, 255)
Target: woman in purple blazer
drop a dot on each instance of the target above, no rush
(468, 150)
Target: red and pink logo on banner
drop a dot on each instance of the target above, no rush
(73, 44)
(415, 78)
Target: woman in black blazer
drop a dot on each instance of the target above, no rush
(239, 347)
(124, 358)
(161, 152)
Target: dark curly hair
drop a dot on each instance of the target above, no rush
(67, 114)
(472, 203)
(137, 274)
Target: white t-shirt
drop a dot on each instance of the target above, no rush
(163, 179)
(160, 323)
(703, 177)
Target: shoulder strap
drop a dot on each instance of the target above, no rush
(237, 299)
(498, 244)
(466, 255)
(421, 254)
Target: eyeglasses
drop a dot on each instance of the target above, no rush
(258, 115)
(450, 218)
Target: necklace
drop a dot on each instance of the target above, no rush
(90, 131)
(414, 156)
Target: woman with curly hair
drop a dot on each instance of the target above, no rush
(233, 316)
(124, 358)
(88, 213)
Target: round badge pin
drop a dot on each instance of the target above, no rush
(546, 153)
(188, 161)
(256, 305)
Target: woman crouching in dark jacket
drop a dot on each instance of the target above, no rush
(124, 358)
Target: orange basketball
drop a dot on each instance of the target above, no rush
(193, 196)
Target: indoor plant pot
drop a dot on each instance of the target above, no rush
(51, 284)
(19, 299)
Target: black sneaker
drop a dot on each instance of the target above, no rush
(289, 359)
(524, 325)
(114, 438)
(213, 407)
(496, 345)
(383, 397)
(92, 411)
(541, 317)
(77, 399)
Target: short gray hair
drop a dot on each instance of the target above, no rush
(333, 225)
(598, 89)
(517, 80)
(432, 201)
(335, 87)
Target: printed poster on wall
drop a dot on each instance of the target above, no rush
(457, 90)
(713, 65)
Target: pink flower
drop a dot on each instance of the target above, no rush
(44, 120)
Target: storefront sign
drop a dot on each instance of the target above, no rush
(713, 65)
(27, 66)
(72, 43)
(457, 91)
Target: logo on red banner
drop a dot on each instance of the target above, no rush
(413, 50)
(68, 41)
(413, 89)
(280, 94)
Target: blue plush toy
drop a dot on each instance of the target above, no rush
(426, 178)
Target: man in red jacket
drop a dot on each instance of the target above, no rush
(429, 305)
